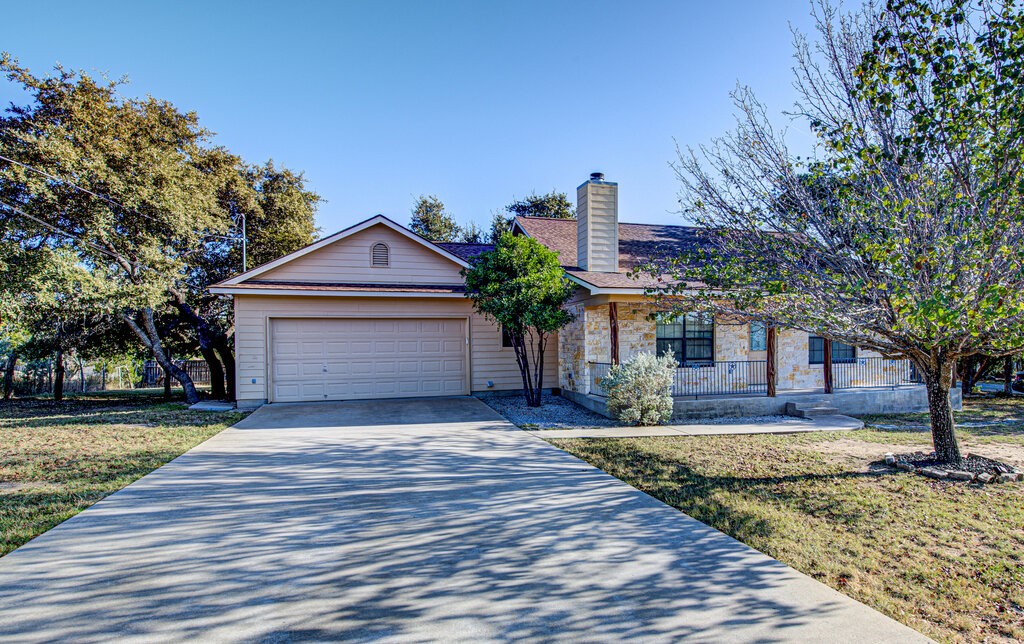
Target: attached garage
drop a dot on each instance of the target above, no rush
(345, 359)
(374, 311)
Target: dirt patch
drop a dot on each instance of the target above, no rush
(1005, 452)
(860, 454)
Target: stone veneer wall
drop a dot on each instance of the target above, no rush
(794, 371)
(588, 339)
(636, 332)
(572, 362)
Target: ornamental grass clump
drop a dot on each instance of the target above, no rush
(640, 391)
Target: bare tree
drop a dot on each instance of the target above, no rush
(903, 233)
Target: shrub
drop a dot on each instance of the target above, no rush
(640, 391)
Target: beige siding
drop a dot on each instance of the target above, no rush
(597, 230)
(348, 260)
(488, 360)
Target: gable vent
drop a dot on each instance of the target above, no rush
(380, 255)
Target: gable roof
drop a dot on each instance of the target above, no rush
(638, 244)
(342, 234)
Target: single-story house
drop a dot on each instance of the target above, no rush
(376, 311)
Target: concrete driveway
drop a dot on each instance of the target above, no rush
(412, 520)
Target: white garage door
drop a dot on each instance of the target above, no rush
(345, 359)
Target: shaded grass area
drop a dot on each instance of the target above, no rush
(58, 458)
(944, 558)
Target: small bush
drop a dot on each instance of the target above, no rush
(640, 391)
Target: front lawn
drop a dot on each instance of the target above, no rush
(944, 558)
(59, 458)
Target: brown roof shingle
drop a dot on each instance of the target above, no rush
(638, 244)
(465, 251)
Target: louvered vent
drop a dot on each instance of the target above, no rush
(379, 255)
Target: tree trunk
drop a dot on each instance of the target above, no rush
(522, 361)
(147, 332)
(210, 337)
(227, 358)
(1008, 376)
(81, 373)
(58, 376)
(12, 360)
(167, 380)
(966, 376)
(216, 372)
(938, 380)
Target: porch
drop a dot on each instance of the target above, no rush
(754, 378)
(733, 367)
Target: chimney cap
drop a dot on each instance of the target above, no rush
(597, 176)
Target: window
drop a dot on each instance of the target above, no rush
(380, 255)
(840, 352)
(758, 336)
(506, 339)
(690, 338)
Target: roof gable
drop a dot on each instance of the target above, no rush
(341, 257)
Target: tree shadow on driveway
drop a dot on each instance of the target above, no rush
(421, 525)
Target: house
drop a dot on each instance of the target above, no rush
(375, 311)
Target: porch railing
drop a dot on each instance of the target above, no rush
(874, 372)
(732, 377)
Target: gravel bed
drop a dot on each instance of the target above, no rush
(555, 412)
(971, 463)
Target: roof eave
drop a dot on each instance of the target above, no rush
(228, 290)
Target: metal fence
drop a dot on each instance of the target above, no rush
(153, 373)
(732, 377)
(750, 377)
(875, 372)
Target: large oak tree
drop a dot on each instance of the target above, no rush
(139, 190)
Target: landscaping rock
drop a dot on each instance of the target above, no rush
(1007, 477)
(985, 477)
(556, 413)
(934, 473)
(906, 467)
(960, 475)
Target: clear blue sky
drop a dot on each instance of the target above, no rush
(477, 102)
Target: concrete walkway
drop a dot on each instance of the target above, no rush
(420, 520)
(836, 423)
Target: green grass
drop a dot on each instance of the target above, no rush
(944, 558)
(59, 458)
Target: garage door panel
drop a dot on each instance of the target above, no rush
(338, 359)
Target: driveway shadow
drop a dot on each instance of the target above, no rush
(397, 525)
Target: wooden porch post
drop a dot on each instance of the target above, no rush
(770, 373)
(613, 326)
(827, 364)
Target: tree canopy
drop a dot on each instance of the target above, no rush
(553, 204)
(431, 221)
(521, 286)
(905, 234)
(142, 196)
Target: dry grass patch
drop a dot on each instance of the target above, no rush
(60, 458)
(944, 558)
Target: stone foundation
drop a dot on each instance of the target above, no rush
(853, 402)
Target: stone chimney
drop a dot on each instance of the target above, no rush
(597, 230)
